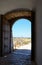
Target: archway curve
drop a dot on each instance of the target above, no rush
(17, 14)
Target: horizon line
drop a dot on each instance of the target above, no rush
(23, 37)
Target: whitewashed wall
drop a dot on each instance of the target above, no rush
(0, 35)
(8, 5)
(39, 32)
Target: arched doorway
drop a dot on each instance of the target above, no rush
(21, 34)
(10, 18)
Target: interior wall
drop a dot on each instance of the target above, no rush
(0, 35)
(39, 32)
(8, 5)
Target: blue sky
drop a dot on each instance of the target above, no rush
(21, 28)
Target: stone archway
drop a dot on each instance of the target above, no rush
(8, 20)
(18, 13)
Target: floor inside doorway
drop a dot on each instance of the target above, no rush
(18, 57)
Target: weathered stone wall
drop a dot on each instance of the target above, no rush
(11, 41)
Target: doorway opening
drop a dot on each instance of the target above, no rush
(12, 18)
(21, 36)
